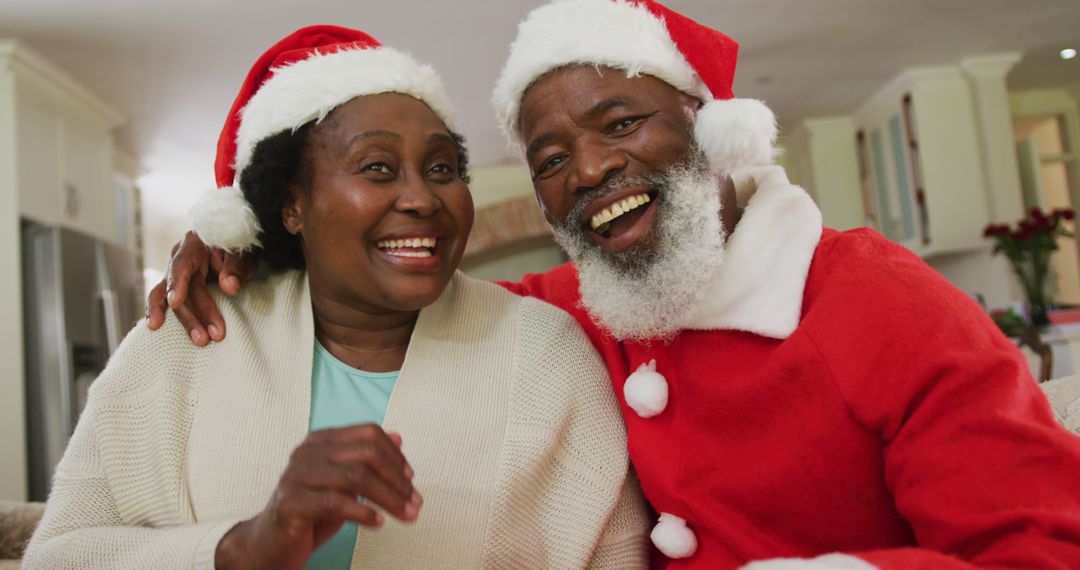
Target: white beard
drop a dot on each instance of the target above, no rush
(648, 292)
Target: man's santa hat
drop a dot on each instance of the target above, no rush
(642, 37)
(300, 79)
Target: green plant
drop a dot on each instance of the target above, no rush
(1028, 247)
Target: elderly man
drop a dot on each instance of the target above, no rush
(793, 395)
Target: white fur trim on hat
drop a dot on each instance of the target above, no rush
(735, 134)
(611, 33)
(310, 88)
(825, 562)
(222, 218)
(673, 538)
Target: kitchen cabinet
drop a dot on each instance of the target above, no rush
(63, 146)
(920, 163)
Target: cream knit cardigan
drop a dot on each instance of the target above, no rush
(505, 408)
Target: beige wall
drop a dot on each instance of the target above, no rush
(499, 183)
(13, 485)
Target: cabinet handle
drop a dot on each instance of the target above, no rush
(71, 200)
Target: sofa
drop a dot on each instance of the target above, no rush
(17, 523)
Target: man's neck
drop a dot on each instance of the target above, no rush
(730, 212)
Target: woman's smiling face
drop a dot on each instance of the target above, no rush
(381, 207)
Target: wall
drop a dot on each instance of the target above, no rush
(497, 184)
(13, 485)
(822, 158)
(979, 274)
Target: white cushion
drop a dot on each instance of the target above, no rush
(1064, 396)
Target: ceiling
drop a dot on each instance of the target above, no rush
(173, 67)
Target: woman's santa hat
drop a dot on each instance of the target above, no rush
(300, 79)
(642, 37)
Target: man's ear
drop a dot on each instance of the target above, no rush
(292, 213)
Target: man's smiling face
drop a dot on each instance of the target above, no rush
(594, 139)
(627, 192)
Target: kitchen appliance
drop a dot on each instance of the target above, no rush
(79, 300)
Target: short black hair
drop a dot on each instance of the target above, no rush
(276, 164)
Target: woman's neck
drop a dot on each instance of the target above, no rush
(369, 340)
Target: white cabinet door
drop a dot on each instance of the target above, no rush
(87, 201)
(37, 160)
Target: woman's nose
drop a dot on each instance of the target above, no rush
(417, 198)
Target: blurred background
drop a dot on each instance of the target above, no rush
(925, 120)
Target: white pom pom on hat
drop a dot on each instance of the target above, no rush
(301, 78)
(642, 37)
(673, 538)
(735, 134)
(646, 390)
(223, 219)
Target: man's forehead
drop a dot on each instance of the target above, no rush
(589, 90)
(586, 79)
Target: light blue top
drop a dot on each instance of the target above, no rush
(343, 396)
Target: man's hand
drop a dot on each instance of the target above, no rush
(185, 289)
(319, 492)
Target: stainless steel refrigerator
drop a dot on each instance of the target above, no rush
(79, 300)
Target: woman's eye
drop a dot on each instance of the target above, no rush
(442, 168)
(380, 167)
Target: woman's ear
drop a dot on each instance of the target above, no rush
(292, 213)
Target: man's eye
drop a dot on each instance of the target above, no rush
(550, 164)
(625, 124)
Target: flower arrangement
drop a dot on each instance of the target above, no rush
(1028, 247)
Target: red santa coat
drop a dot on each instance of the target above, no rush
(835, 394)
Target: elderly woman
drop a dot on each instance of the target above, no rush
(265, 450)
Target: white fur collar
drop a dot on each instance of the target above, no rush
(759, 288)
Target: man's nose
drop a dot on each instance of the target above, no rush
(594, 162)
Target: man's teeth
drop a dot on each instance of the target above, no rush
(409, 247)
(619, 208)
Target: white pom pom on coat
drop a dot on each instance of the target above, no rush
(223, 219)
(673, 538)
(646, 391)
(735, 134)
(833, 561)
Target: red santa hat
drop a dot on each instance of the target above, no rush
(642, 37)
(300, 79)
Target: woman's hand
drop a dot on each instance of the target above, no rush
(184, 288)
(319, 492)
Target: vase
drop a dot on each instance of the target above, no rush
(1039, 313)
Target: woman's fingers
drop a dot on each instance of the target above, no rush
(361, 460)
(307, 506)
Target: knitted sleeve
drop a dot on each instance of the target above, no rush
(564, 465)
(972, 455)
(623, 543)
(127, 515)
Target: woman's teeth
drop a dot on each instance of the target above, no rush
(603, 219)
(409, 247)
